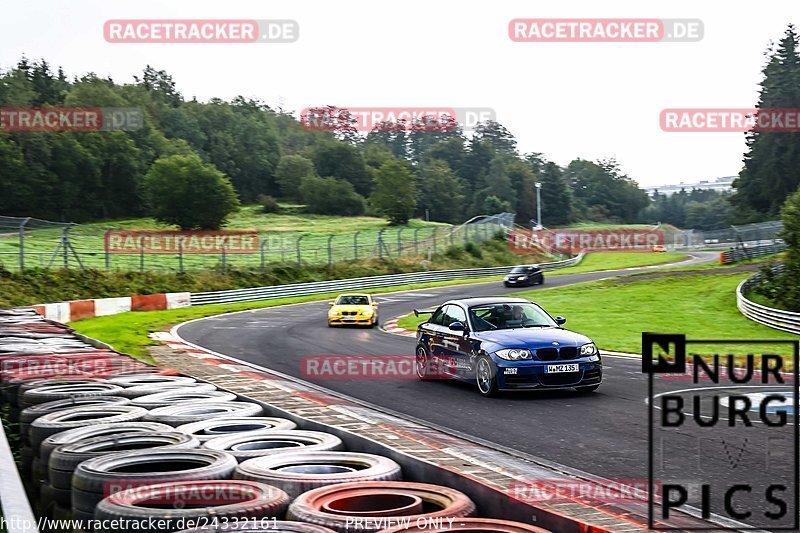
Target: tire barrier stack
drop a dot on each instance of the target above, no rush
(118, 445)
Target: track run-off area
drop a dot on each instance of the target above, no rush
(603, 433)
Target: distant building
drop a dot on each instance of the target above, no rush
(719, 184)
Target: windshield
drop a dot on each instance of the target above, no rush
(352, 300)
(521, 270)
(509, 316)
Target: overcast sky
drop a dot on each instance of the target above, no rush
(566, 100)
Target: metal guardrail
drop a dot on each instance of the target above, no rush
(769, 316)
(734, 255)
(369, 282)
(17, 514)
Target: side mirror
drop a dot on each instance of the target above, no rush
(374, 304)
(331, 303)
(560, 320)
(458, 326)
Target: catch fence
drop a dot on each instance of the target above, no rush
(27, 242)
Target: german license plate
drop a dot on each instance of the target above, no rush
(557, 369)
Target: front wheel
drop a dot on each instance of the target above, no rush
(422, 365)
(590, 388)
(486, 377)
(541, 280)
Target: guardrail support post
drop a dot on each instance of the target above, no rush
(299, 259)
(380, 242)
(22, 243)
(399, 242)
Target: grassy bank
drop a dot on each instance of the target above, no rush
(615, 312)
(43, 285)
(616, 260)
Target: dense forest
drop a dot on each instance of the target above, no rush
(266, 152)
(397, 170)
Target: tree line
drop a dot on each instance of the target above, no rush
(193, 162)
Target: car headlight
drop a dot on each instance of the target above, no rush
(365, 312)
(334, 312)
(514, 354)
(589, 349)
(520, 277)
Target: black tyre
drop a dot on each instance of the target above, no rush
(53, 423)
(328, 506)
(197, 503)
(50, 495)
(248, 446)
(74, 390)
(135, 380)
(95, 478)
(299, 472)
(29, 414)
(26, 385)
(205, 430)
(67, 457)
(423, 365)
(97, 430)
(486, 376)
(174, 397)
(150, 388)
(177, 415)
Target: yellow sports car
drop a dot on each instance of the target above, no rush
(357, 309)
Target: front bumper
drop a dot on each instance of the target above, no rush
(350, 320)
(531, 375)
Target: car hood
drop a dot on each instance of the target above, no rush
(341, 308)
(531, 338)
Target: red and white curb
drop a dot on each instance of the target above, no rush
(391, 327)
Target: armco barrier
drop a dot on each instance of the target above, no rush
(774, 318)
(17, 513)
(734, 255)
(370, 282)
(79, 309)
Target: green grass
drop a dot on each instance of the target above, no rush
(279, 232)
(615, 312)
(616, 260)
(128, 332)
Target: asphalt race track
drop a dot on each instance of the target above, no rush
(604, 433)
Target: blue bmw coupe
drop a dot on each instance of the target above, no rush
(504, 344)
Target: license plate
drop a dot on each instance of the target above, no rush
(556, 369)
(348, 318)
(510, 371)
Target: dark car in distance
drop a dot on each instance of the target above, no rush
(524, 275)
(504, 344)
